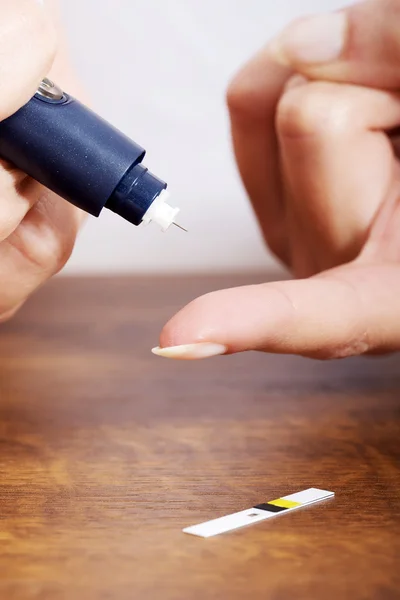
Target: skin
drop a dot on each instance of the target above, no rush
(314, 149)
(37, 228)
(312, 146)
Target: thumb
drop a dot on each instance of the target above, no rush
(359, 45)
(347, 311)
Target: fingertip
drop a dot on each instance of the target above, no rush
(190, 334)
(185, 327)
(232, 318)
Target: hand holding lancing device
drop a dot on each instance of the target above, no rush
(37, 229)
(310, 120)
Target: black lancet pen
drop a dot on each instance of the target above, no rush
(72, 151)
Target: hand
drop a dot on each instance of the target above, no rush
(37, 229)
(311, 117)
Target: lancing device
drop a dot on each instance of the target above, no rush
(70, 150)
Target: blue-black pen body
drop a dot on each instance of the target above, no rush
(78, 155)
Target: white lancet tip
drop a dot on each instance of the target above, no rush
(161, 212)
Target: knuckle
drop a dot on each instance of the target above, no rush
(245, 96)
(238, 95)
(311, 110)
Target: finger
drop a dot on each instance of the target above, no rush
(27, 50)
(252, 99)
(330, 138)
(360, 44)
(37, 249)
(18, 193)
(63, 70)
(348, 311)
(27, 46)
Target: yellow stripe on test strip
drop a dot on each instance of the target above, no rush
(285, 503)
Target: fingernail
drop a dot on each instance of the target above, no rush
(191, 351)
(317, 39)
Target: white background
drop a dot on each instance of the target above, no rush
(158, 70)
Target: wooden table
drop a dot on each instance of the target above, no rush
(107, 452)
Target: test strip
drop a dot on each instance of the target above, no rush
(258, 513)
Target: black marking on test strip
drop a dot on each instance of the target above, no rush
(270, 507)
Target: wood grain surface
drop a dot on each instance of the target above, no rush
(107, 452)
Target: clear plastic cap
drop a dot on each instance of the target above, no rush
(161, 212)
